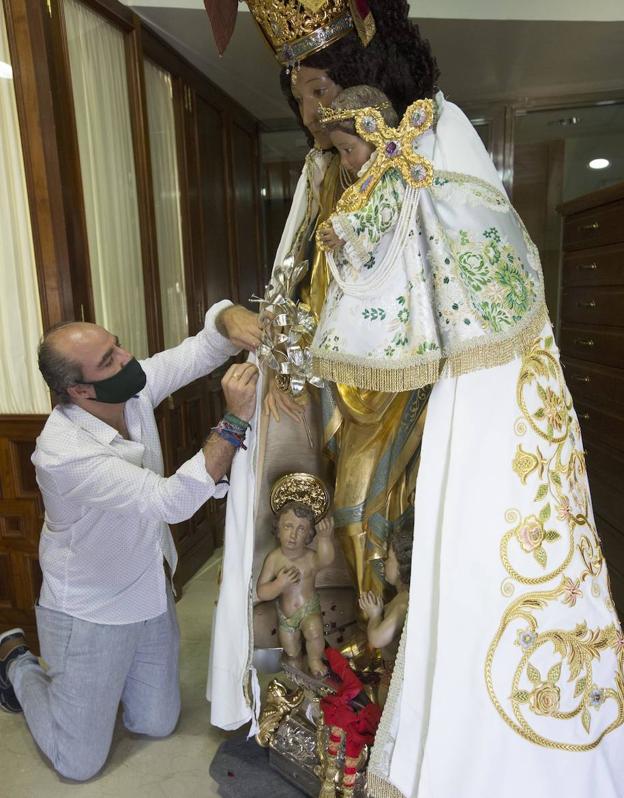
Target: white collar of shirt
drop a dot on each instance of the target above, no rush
(99, 429)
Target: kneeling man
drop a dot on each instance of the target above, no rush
(106, 617)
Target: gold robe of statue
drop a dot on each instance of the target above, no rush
(373, 438)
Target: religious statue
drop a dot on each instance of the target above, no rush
(443, 395)
(385, 621)
(289, 571)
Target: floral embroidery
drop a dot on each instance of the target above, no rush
(374, 314)
(554, 472)
(381, 212)
(571, 591)
(530, 533)
(501, 291)
(526, 638)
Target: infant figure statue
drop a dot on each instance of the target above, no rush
(300, 503)
(385, 622)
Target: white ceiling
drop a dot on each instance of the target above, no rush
(605, 10)
(480, 60)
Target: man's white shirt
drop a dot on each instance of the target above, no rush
(107, 503)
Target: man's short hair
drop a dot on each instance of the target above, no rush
(57, 370)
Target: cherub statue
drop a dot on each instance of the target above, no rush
(385, 622)
(300, 502)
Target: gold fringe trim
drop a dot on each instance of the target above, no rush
(377, 787)
(411, 377)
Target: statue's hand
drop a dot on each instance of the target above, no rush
(288, 575)
(327, 238)
(277, 401)
(325, 528)
(371, 605)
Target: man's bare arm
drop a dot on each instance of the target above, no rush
(239, 389)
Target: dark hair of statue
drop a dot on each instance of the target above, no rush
(397, 60)
(401, 541)
(301, 511)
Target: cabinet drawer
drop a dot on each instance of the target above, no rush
(604, 266)
(597, 227)
(601, 425)
(593, 305)
(616, 582)
(612, 540)
(588, 382)
(605, 469)
(596, 344)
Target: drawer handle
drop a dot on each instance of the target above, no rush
(584, 341)
(584, 416)
(590, 304)
(585, 227)
(578, 378)
(588, 267)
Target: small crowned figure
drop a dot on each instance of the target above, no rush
(300, 503)
(385, 622)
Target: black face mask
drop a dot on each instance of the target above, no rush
(121, 386)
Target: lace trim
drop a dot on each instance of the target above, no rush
(406, 375)
(378, 787)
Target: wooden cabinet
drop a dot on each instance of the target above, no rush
(592, 351)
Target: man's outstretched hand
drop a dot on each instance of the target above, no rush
(241, 326)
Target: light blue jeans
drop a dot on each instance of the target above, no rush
(92, 668)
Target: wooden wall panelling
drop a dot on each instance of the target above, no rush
(202, 128)
(280, 183)
(21, 516)
(213, 190)
(246, 199)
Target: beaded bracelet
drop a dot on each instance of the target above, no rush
(236, 421)
(233, 435)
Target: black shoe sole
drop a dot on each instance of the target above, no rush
(9, 702)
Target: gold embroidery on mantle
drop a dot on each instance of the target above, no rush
(554, 545)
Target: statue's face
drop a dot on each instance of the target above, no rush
(353, 151)
(391, 568)
(293, 532)
(313, 87)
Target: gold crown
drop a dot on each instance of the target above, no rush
(328, 115)
(395, 147)
(296, 29)
(305, 489)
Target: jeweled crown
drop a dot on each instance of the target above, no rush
(295, 29)
(306, 489)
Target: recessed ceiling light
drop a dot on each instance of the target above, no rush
(5, 70)
(599, 163)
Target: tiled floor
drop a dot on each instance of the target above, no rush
(137, 767)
